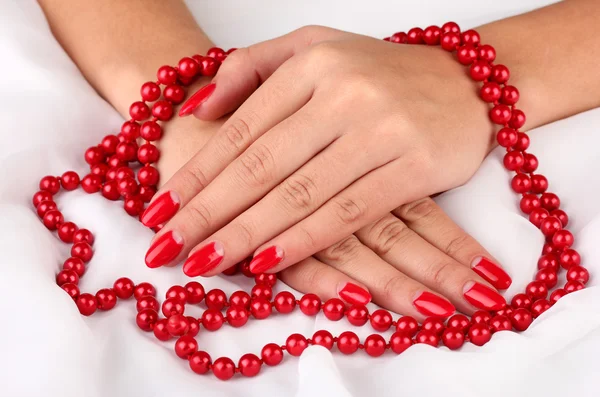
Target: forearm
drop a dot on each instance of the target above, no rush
(553, 54)
(119, 44)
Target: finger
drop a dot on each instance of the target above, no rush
(312, 275)
(290, 202)
(389, 287)
(428, 220)
(399, 246)
(247, 68)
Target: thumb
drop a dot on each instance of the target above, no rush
(247, 68)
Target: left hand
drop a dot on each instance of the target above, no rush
(343, 129)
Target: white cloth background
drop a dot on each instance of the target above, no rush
(49, 115)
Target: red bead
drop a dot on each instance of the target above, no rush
(481, 317)
(86, 303)
(209, 66)
(529, 202)
(399, 342)
(148, 153)
(466, 55)
(547, 248)
(310, 304)
(578, 273)
(44, 207)
(177, 325)
(347, 342)
(548, 277)
(162, 110)
(459, 322)
(531, 163)
(486, 53)
(110, 190)
(271, 354)
(94, 155)
(407, 325)
(433, 324)
(146, 193)
(217, 53)
(69, 180)
(510, 95)
(334, 309)
(561, 215)
(193, 326)
(166, 75)
(91, 183)
(431, 35)
(147, 302)
(572, 286)
(517, 119)
(241, 298)
(500, 114)
(399, 37)
(139, 111)
(151, 131)
(295, 344)
(449, 41)
(500, 323)
(106, 298)
(507, 311)
(562, 239)
(550, 225)
(520, 301)
(556, 295)
(134, 206)
(71, 289)
(480, 70)
(513, 160)
(285, 302)
(200, 362)
(536, 290)
(323, 338)
(490, 92)
(260, 308)
(177, 292)
(230, 271)
(143, 289)
(500, 74)
(146, 319)
(130, 131)
(148, 176)
(99, 169)
(249, 365)
(550, 201)
(123, 288)
(172, 306)
(187, 67)
(67, 276)
(40, 197)
(126, 151)
(185, 346)
(124, 173)
(381, 320)
(539, 306)
(452, 338)
(537, 215)
(109, 144)
(268, 279)
(479, 334)
(569, 258)
(83, 236)
(450, 27)
(150, 91)
(83, 251)
(375, 345)
(521, 183)
(427, 337)
(53, 219)
(470, 37)
(50, 184)
(357, 315)
(414, 36)
(237, 316)
(174, 93)
(262, 291)
(223, 368)
(216, 299)
(160, 330)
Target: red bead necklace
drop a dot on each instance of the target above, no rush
(112, 173)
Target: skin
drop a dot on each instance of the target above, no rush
(399, 244)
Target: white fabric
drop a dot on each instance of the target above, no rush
(49, 115)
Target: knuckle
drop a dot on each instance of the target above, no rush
(349, 211)
(344, 250)
(236, 136)
(391, 286)
(441, 273)
(311, 274)
(244, 234)
(325, 52)
(256, 166)
(308, 239)
(456, 245)
(299, 192)
(198, 215)
(418, 210)
(387, 233)
(193, 177)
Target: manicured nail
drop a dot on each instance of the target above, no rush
(491, 272)
(164, 249)
(353, 294)
(196, 100)
(430, 305)
(266, 259)
(204, 260)
(483, 297)
(161, 210)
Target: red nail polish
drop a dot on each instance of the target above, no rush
(196, 100)
(204, 260)
(483, 297)
(266, 259)
(164, 249)
(161, 210)
(354, 294)
(492, 273)
(430, 304)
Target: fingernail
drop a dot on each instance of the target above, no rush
(161, 210)
(164, 249)
(353, 294)
(196, 100)
(491, 272)
(483, 297)
(204, 260)
(266, 260)
(430, 304)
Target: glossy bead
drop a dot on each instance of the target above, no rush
(148, 153)
(529, 202)
(166, 75)
(427, 337)
(146, 319)
(284, 302)
(537, 215)
(123, 288)
(562, 239)
(375, 345)
(399, 37)
(539, 306)
(510, 95)
(217, 53)
(143, 289)
(230, 271)
(185, 346)
(449, 41)
(109, 144)
(82, 251)
(399, 342)
(209, 66)
(271, 354)
(174, 93)
(481, 317)
(550, 201)
(162, 110)
(513, 160)
(91, 183)
(150, 91)
(414, 36)
(310, 304)
(550, 225)
(500, 323)
(71, 289)
(194, 292)
(188, 67)
(517, 120)
(295, 344)
(480, 70)
(470, 37)
(357, 315)
(536, 290)
(50, 184)
(521, 319)
(177, 292)
(323, 338)
(268, 279)
(160, 330)
(126, 151)
(44, 207)
(147, 302)
(408, 325)
(507, 311)
(334, 309)
(200, 362)
(547, 248)
(548, 277)
(578, 273)
(134, 206)
(431, 35)
(110, 191)
(237, 316)
(151, 131)
(561, 215)
(69, 180)
(172, 306)
(67, 276)
(193, 326)
(249, 365)
(573, 286)
(177, 325)
(520, 301)
(100, 170)
(556, 295)
(568, 258)
(450, 27)
(146, 193)
(500, 114)
(522, 141)
(106, 298)
(242, 298)
(215, 299)
(433, 324)
(530, 164)
(148, 176)
(139, 111)
(490, 92)
(486, 53)
(223, 368)
(521, 183)
(479, 334)
(459, 322)
(452, 338)
(94, 155)
(261, 291)
(41, 196)
(86, 303)
(260, 308)
(83, 236)
(381, 320)
(500, 74)
(53, 219)
(466, 54)
(347, 342)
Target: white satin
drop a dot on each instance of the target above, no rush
(49, 115)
